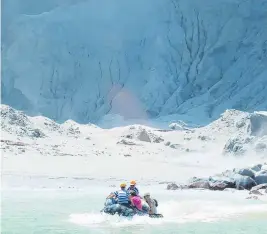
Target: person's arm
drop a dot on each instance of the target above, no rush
(137, 191)
(111, 195)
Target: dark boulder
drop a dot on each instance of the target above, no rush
(218, 186)
(244, 182)
(203, 184)
(261, 177)
(245, 172)
(230, 183)
(256, 167)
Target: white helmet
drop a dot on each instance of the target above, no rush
(146, 194)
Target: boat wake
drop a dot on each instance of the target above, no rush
(177, 212)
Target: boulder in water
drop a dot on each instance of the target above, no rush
(218, 186)
(245, 178)
(256, 168)
(244, 182)
(230, 183)
(260, 186)
(261, 177)
(203, 184)
(262, 172)
(245, 172)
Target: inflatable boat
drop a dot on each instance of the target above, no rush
(112, 208)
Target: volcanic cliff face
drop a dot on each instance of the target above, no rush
(140, 59)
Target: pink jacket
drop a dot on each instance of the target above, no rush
(136, 200)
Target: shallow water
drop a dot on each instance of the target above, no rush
(77, 211)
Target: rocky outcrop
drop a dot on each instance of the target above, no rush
(180, 125)
(13, 117)
(253, 179)
(258, 187)
(256, 168)
(245, 172)
(36, 133)
(229, 182)
(264, 167)
(251, 133)
(237, 145)
(199, 185)
(16, 122)
(218, 186)
(244, 182)
(261, 177)
(142, 134)
(172, 186)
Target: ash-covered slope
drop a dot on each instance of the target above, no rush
(85, 59)
(40, 146)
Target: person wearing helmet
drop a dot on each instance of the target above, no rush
(133, 187)
(121, 195)
(152, 203)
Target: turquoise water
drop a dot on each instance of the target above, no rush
(69, 212)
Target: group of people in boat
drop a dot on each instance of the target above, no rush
(130, 198)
